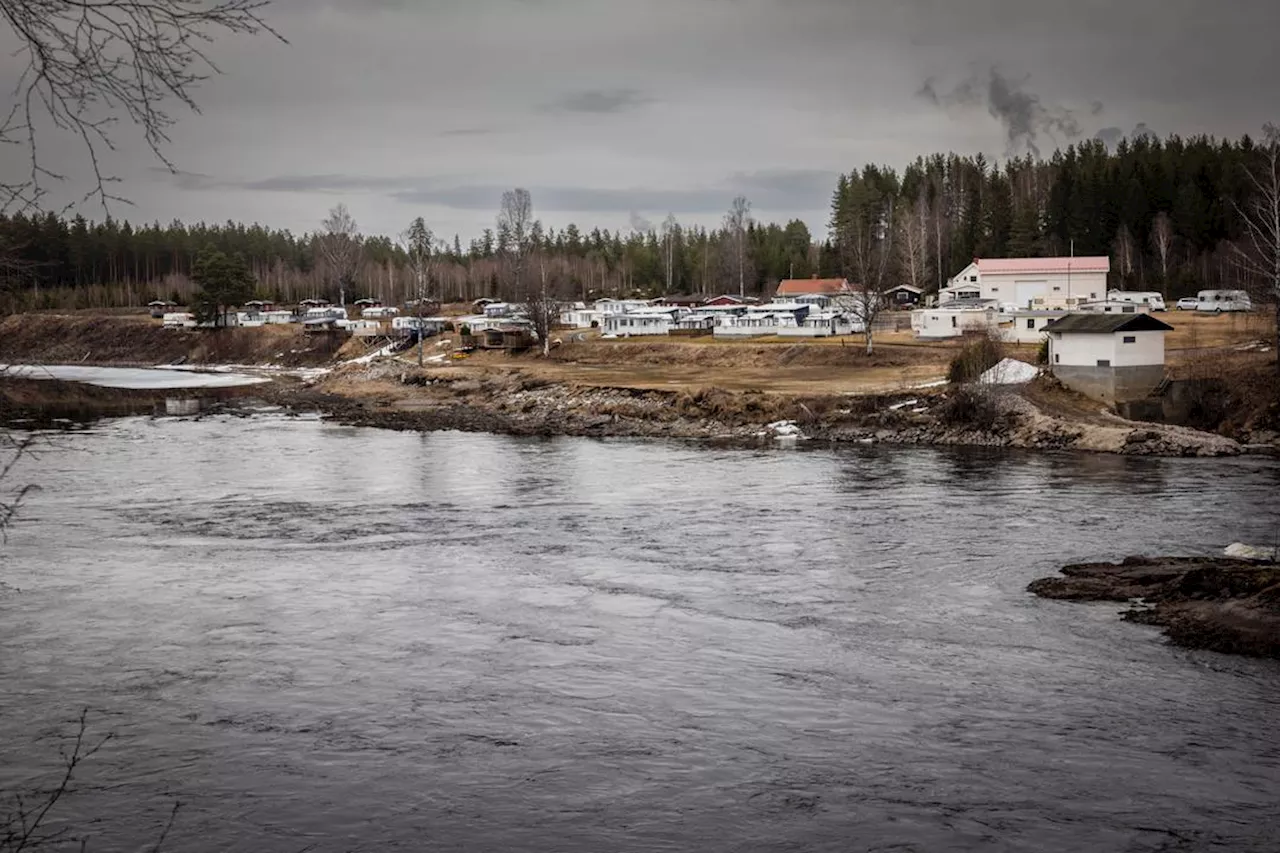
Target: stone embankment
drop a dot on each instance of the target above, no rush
(391, 395)
(1220, 604)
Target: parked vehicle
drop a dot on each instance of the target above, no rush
(1187, 303)
(1150, 298)
(1218, 301)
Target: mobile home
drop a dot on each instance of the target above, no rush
(1150, 298)
(1218, 301)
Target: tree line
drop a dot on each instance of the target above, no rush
(1170, 214)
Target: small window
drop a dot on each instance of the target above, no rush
(1031, 323)
(953, 322)
(1093, 296)
(1104, 362)
(1056, 288)
(973, 278)
(995, 290)
(1130, 339)
(1129, 309)
(1057, 359)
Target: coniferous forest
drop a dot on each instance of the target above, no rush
(1166, 211)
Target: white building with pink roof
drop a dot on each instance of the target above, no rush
(1034, 283)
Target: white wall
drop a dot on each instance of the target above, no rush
(1020, 287)
(1147, 348)
(632, 324)
(1081, 349)
(1017, 331)
(944, 323)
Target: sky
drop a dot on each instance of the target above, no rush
(615, 114)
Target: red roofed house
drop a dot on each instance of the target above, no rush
(1031, 282)
(793, 287)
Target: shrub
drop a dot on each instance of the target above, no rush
(975, 358)
(1042, 354)
(970, 407)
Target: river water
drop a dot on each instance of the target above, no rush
(325, 638)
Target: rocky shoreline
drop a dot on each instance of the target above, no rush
(1218, 604)
(393, 396)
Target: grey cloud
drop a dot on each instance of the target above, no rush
(599, 101)
(1111, 136)
(469, 131)
(1024, 116)
(779, 189)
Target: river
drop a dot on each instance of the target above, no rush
(327, 638)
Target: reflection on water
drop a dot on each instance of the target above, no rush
(136, 378)
(328, 636)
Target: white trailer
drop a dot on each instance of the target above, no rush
(1218, 301)
(1150, 298)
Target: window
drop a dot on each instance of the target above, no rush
(1130, 339)
(995, 290)
(1031, 323)
(1057, 359)
(1104, 362)
(1056, 288)
(973, 278)
(1129, 309)
(953, 322)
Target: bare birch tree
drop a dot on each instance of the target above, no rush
(1260, 254)
(88, 61)
(863, 231)
(516, 234)
(340, 244)
(1124, 251)
(670, 232)
(542, 308)
(419, 244)
(736, 223)
(913, 243)
(1162, 242)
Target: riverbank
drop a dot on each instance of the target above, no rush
(723, 391)
(393, 395)
(1222, 605)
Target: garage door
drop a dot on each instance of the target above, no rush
(1028, 291)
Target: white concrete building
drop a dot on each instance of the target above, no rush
(1031, 282)
(1110, 357)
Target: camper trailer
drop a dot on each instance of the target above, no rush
(1218, 301)
(1150, 298)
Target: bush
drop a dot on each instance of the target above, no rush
(970, 407)
(976, 358)
(1042, 354)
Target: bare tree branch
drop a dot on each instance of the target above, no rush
(87, 61)
(1260, 257)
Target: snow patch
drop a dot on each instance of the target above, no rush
(1009, 371)
(1241, 551)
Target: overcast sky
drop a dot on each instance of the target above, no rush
(615, 113)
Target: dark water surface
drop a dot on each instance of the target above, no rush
(363, 640)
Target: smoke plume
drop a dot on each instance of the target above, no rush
(1024, 116)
